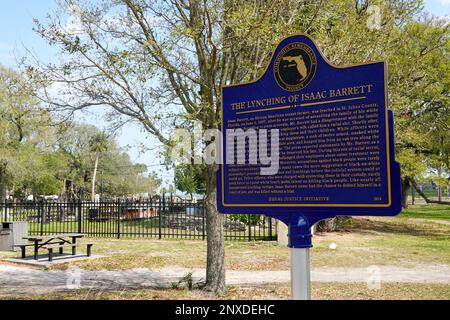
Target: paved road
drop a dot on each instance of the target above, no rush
(16, 280)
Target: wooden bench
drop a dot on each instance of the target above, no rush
(89, 248)
(49, 246)
(44, 242)
(23, 248)
(59, 246)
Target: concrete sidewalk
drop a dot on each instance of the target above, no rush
(15, 280)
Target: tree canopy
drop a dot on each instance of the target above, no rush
(40, 156)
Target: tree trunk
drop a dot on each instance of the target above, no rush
(215, 264)
(423, 195)
(2, 185)
(406, 186)
(94, 176)
(62, 193)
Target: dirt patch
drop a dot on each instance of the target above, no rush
(380, 226)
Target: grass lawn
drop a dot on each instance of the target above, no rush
(397, 241)
(427, 211)
(370, 240)
(320, 291)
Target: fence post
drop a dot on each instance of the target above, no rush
(80, 214)
(5, 210)
(119, 209)
(159, 218)
(270, 228)
(203, 220)
(164, 202)
(41, 212)
(249, 227)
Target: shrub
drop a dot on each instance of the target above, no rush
(251, 219)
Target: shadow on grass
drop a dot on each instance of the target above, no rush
(363, 225)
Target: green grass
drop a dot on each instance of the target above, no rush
(428, 211)
(370, 241)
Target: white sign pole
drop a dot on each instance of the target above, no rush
(300, 274)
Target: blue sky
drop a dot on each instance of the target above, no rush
(16, 23)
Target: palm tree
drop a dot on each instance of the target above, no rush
(97, 144)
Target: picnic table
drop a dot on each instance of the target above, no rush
(46, 242)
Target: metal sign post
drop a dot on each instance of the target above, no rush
(300, 274)
(300, 242)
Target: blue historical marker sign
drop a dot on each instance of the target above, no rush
(316, 140)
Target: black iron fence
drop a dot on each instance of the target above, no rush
(159, 218)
